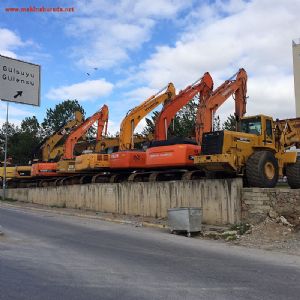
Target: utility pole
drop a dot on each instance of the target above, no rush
(5, 156)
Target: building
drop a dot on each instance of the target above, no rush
(296, 63)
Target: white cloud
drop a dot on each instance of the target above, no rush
(9, 39)
(109, 32)
(139, 95)
(105, 43)
(112, 127)
(256, 35)
(13, 111)
(15, 114)
(142, 124)
(158, 8)
(16, 122)
(9, 42)
(88, 90)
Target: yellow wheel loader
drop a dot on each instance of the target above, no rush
(260, 151)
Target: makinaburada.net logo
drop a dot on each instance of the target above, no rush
(33, 9)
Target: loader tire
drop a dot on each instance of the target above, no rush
(262, 170)
(293, 174)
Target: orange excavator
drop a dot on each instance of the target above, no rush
(182, 155)
(67, 163)
(163, 153)
(202, 86)
(127, 157)
(232, 87)
(52, 149)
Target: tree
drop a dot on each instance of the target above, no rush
(21, 141)
(57, 117)
(183, 124)
(11, 130)
(185, 120)
(21, 146)
(150, 124)
(31, 125)
(217, 123)
(230, 123)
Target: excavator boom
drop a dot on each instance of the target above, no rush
(204, 86)
(101, 116)
(49, 148)
(207, 108)
(135, 115)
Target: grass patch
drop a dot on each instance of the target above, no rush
(8, 199)
(241, 228)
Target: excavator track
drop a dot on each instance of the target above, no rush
(109, 177)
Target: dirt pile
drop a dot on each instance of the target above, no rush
(272, 234)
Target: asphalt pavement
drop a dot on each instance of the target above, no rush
(49, 256)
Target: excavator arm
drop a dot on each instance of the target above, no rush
(135, 115)
(101, 116)
(49, 147)
(202, 86)
(208, 107)
(110, 142)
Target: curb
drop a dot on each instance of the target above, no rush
(118, 221)
(153, 225)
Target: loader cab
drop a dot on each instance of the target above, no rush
(252, 125)
(261, 126)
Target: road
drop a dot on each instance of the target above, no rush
(50, 256)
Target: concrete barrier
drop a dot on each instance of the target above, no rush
(220, 199)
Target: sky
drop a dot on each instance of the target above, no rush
(121, 52)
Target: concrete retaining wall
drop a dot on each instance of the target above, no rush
(219, 199)
(258, 203)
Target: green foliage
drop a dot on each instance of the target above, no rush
(217, 123)
(21, 146)
(183, 124)
(24, 140)
(20, 140)
(150, 123)
(11, 130)
(31, 125)
(57, 117)
(241, 228)
(230, 123)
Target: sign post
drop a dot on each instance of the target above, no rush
(5, 155)
(19, 83)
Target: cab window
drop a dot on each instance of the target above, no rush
(269, 130)
(252, 125)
